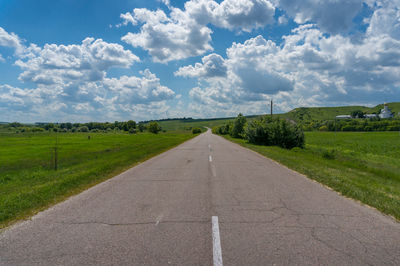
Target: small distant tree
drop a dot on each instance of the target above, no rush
(141, 127)
(154, 127)
(357, 114)
(15, 124)
(124, 126)
(131, 124)
(49, 126)
(84, 129)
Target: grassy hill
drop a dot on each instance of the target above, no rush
(329, 113)
(298, 114)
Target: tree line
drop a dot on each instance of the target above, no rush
(127, 126)
(372, 124)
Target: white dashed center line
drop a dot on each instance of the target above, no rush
(217, 253)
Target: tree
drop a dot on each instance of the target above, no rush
(49, 126)
(141, 127)
(357, 114)
(84, 129)
(238, 126)
(154, 127)
(15, 124)
(131, 124)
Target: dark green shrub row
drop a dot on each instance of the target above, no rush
(196, 130)
(265, 131)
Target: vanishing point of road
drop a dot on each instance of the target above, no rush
(205, 202)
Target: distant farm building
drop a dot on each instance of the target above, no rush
(385, 113)
(343, 117)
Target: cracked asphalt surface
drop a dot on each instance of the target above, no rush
(159, 213)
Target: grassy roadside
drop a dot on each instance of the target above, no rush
(29, 183)
(362, 166)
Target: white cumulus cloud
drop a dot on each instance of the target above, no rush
(70, 83)
(331, 16)
(386, 19)
(62, 64)
(10, 40)
(308, 68)
(133, 90)
(169, 38)
(185, 33)
(212, 65)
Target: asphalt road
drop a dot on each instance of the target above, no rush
(160, 212)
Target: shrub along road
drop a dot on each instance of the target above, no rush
(206, 201)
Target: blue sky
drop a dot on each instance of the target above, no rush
(101, 60)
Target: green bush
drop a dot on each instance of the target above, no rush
(349, 128)
(83, 129)
(393, 128)
(215, 130)
(154, 127)
(37, 129)
(196, 130)
(323, 128)
(224, 129)
(141, 127)
(267, 131)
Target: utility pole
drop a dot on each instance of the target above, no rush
(271, 108)
(56, 153)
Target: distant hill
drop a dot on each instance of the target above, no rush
(329, 113)
(298, 114)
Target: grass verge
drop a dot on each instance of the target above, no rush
(363, 166)
(29, 183)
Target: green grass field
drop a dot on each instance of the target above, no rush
(362, 166)
(178, 125)
(29, 183)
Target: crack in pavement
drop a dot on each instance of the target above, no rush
(327, 244)
(138, 223)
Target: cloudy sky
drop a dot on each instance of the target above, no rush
(106, 60)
